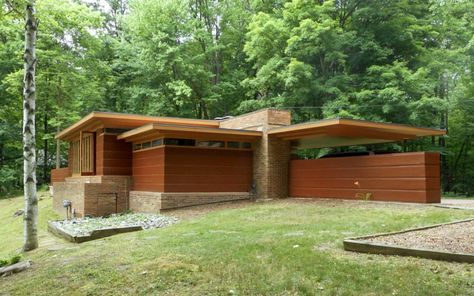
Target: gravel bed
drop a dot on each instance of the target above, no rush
(84, 226)
(454, 238)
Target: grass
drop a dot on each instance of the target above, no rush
(286, 247)
(11, 228)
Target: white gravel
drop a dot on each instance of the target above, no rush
(84, 226)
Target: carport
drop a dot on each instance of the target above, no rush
(408, 177)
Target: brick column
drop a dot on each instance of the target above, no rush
(271, 155)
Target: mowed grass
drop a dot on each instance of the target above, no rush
(11, 228)
(287, 247)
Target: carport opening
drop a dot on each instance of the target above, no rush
(353, 159)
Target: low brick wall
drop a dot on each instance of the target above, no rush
(95, 196)
(153, 202)
(172, 200)
(145, 202)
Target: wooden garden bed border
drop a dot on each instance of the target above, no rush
(95, 234)
(362, 245)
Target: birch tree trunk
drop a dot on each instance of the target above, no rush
(29, 133)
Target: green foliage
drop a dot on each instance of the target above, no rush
(14, 259)
(407, 62)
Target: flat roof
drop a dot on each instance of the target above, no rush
(171, 130)
(97, 120)
(345, 132)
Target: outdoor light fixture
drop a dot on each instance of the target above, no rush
(67, 204)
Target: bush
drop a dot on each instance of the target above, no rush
(12, 260)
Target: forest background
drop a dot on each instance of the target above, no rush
(406, 61)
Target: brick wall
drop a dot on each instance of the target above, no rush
(145, 202)
(271, 155)
(153, 202)
(95, 195)
(258, 120)
(406, 177)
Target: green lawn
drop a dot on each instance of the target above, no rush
(278, 248)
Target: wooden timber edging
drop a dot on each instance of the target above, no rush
(95, 234)
(362, 245)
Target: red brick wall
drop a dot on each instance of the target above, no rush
(192, 170)
(113, 157)
(409, 177)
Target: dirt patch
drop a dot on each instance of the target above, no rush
(455, 238)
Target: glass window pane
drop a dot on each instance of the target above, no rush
(156, 143)
(180, 142)
(137, 146)
(146, 145)
(214, 144)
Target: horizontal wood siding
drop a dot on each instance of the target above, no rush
(113, 157)
(207, 170)
(148, 170)
(410, 177)
(60, 175)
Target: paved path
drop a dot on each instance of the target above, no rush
(467, 204)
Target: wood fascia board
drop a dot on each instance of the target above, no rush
(306, 128)
(166, 130)
(132, 117)
(396, 128)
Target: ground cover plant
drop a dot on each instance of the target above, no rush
(287, 247)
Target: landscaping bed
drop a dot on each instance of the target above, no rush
(85, 229)
(449, 241)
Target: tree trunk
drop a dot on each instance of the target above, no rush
(45, 149)
(58, 129)
(29, 133)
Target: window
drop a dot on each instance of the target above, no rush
(180, 142)
(76, 154)
(137, 146)
(156, 143)
(213, 144)
(191, 143)
(239, 145)
(147, 144)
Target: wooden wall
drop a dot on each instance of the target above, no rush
(113, 157)
(149, 170)
(60, 175)
(208, 170)
(192, 170)
(406, 177)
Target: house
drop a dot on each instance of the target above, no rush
(121, 162)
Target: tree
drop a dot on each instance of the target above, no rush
(29, 133)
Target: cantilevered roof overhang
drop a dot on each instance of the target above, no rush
(97, 120)
(347, 132)
(154, 130)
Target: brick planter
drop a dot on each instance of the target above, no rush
(95, 234)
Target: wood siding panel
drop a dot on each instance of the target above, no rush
(410, 177)
(148, 170)
(207, 170)
(60, 175)
(113, 157)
